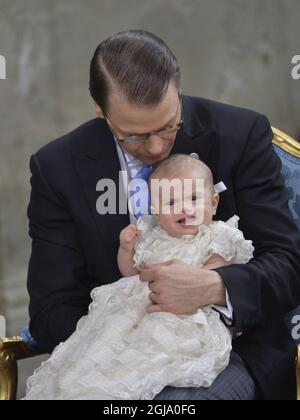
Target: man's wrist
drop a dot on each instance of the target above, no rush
(217, 290)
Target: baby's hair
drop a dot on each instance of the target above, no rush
(180, 163)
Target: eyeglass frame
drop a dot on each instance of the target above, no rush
(130, 139)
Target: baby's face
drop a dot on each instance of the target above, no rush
(181, 209)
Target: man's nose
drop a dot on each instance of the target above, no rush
(154, 145)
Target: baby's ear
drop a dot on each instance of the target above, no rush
(215, 202)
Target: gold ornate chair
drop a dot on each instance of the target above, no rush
(16, 348)
(11, 350)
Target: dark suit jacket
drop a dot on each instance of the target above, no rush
(74, 249)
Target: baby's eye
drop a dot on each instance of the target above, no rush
(194, 198)
(171, 203)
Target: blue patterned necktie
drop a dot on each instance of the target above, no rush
(141, 204)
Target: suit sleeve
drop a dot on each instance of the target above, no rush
(269, 285)
(57, 276)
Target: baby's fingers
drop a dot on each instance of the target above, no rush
(128, 238)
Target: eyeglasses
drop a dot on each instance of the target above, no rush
(163, 133)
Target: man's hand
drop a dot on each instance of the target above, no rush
(215, 261)
(127, 237)
(181, 289)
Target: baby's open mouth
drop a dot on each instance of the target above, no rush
(188, 221)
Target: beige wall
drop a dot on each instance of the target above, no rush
(236, 51)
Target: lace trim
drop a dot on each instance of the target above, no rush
(223, 238)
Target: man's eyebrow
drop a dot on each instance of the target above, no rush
(130, 133)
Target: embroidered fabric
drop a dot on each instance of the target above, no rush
(118, 351)
(224, 238)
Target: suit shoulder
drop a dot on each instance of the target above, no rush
(225, 117)
(55, 158)
(238, 130)
(59, 149)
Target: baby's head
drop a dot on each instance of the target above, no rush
(182, 195)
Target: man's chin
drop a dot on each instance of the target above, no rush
(154, 160)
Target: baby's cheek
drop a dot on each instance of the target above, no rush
(207, 216)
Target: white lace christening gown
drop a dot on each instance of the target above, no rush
(118, 351)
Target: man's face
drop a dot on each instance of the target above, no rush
(127, 119)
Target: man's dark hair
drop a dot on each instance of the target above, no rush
(138, 63)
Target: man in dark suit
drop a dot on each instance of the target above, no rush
(135, 83)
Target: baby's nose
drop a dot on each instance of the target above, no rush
(189, 210)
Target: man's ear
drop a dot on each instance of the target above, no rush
(98, 110)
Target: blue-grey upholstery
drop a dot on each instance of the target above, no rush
(291, 172)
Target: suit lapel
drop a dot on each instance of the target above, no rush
(97, 159)
(197, 136)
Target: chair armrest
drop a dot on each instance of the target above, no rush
(286, 142)
(11, 350)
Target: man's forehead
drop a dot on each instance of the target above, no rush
(134, 117)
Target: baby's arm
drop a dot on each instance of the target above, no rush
(126, 251)
(229, 241)
(215, 261)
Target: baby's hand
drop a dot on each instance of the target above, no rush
(128, 237)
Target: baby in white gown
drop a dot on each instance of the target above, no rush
(121, 351)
